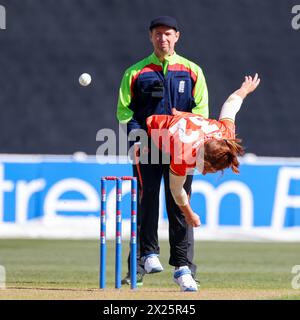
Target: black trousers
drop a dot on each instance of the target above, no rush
(181, 235)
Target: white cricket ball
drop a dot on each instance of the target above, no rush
(85, 79)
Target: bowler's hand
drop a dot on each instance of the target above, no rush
(193, 220)
(249, 85)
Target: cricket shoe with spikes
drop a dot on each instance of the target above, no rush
(183, 277)
(139, 280)
(152, 264)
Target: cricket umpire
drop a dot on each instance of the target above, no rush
(153, 86)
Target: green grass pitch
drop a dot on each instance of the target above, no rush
(74, 264)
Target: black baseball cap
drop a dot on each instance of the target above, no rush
(164, 21)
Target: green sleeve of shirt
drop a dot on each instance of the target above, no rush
(201, 95)
(124, 114)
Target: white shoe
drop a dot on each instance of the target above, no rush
(184, 279)
(152, 264)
